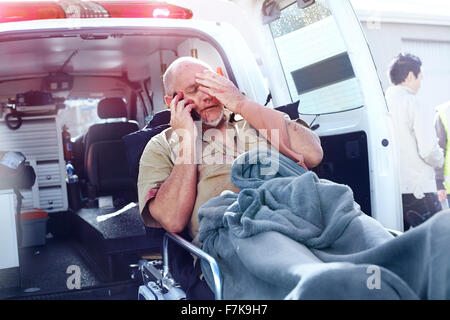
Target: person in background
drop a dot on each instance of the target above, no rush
(443, 173)
(417, 146)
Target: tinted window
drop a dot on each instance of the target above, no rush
(315, 62)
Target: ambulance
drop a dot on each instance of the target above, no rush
(78, 76)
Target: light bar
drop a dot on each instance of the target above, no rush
(22, 11)
(25, 11)
(135, 9)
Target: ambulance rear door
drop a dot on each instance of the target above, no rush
(326, 64)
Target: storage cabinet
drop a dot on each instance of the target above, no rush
(39, 139)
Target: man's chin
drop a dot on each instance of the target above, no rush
(214, 123)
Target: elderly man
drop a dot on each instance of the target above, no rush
(186, 165)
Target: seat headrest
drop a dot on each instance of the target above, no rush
(111, 108)
(160, 118)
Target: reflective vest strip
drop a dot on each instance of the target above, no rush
(442, 111)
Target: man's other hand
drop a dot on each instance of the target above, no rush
(180, 116)
(222, 89)
(442, 195)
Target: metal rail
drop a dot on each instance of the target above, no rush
(217, 277)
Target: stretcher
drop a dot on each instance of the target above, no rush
(158, 283)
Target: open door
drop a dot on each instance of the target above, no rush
(327, 65)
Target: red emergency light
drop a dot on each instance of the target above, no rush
(22, 11)
(25, 11)
(140, 9)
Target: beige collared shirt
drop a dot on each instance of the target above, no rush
(214, 165)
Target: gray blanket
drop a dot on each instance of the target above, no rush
(290, 235)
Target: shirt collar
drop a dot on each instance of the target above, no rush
(406, 89)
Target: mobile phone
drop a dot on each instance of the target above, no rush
(195, 116)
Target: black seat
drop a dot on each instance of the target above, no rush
(135, 142)
(105, 159)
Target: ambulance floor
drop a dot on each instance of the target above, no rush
(54, 267)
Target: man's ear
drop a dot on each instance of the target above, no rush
(168, 100)
(410, 77)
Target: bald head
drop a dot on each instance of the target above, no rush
(176, 67)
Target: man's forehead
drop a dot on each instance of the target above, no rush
(190, 67)
(185, 75)
(189, 85)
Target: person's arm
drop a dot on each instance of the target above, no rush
(294, 140)
(174, 201)
(427, 142)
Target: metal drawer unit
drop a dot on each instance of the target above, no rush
(49, 174)
(39, 139)
(50, 199)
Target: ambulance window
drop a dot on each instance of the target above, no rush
(315, 62)
(79, 114)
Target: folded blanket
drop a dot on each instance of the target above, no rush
(290, 235)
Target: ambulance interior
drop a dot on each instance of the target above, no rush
(103, 88)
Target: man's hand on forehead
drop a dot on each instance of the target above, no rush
(221, 88)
